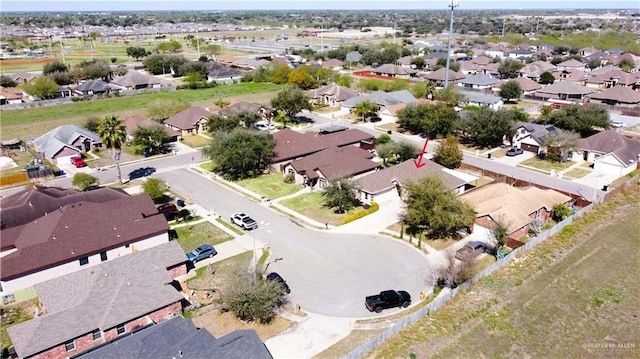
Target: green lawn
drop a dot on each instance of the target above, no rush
(33, 122)
(546, 165)
(270, 186)
(578, 172)
(208, 166)
(191, 237)
(310, 205)
(195, 141)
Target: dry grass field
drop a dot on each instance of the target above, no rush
(567, 298)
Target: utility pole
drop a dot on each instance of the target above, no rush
(197, 39)
(453, 4)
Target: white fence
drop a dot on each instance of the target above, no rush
(441, 300)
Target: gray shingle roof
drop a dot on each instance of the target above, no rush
(337, 92)
(353, 56)
(537, 131)
(95, 86)
(100, 297)
(179, 338)
(135, 78)
(392, 69)
(479, 80)
(481, 98)
(382, 98)
(566, 87)
(55, 140)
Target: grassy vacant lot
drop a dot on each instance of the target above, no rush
(551, 302)
(33, 122)
(270, 186)
(192, 236)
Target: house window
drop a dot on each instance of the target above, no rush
(120, 329)
(84, 261)
(96, 334)
(323, 183)
(69, 346)
(103, 256)
(366, 195)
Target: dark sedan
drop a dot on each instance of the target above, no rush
(275, 277)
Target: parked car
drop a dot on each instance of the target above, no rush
(167, 207)
(618, 124)
(387, 299)
(471, 250)
(275, 277)
(141, 172)
(78, 162)
(243, 220)
(514, 151)
(202, 252)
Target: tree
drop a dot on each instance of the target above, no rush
(301, 78)
(383, 138)
(291, 100)
(241, 153)
(194, 80)
(92, 124)
(560, 143)
(340, 195)
(95, 69)
(42, 87)
(155, 188)
(418, 62)
(509, 69)
(113, 134)
(455, 272)
(190, 67)
(365, 109)
(55, 66)
(84, 180)
(252, 300)
(151, 140)
(405, 151)
(162, 109)
(559, 212)
(419, 90)
(280, 74)
(6, 81)
(137, 52)
(511, 90)
(385, 151)
(546, 78)
(487, 127)
(448, 153)
(451, 95)
(436, 120)
(627, 65)
(432, 208)
(580, 119)
(499, 234)
(171, 46)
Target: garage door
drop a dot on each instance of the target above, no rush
(529, 148)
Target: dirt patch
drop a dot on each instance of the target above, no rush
(219, 323)
(20, 62)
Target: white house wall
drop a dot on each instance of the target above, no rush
(30, 280)
(609, 164)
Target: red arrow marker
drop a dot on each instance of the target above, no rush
(418, 162)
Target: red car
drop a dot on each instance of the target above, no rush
(78, 161)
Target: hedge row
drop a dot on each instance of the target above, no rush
(352, 217)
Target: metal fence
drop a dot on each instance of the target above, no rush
(443, 298)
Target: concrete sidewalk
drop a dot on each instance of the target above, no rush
(309, 337)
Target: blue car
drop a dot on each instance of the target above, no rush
(202, 252)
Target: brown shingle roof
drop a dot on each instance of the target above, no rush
(512, 204)
(78, 230)
(406, 172)
(565, 87)
(35, 202)
(187, 119)
(291, 144)
(625, 149)
(623, 94)
(439, 75)
(335, 162)
(337, 92)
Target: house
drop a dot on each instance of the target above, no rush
(382, 98)
(389, 182)
(66, 141)
(96, 305)
(572, 64)
(132, 123)
(353, 56)
(77, 235)
(9, 97)
(291, 145)
(612, 78)
(22, 78)
(135, 80)
(181, 336)
(526, 85)
(95, 87)
(332, 94)
(566, 91)
(438, 76)
(516, 207)
(531, 136)
(611, 152)
(575, 76)
(333, 64)
(478, 82)
(241, 107)
(190, 121)
(617, 96)
(37, 201)
(317, 170)
(482, 99)
(393, 70)
(535, 69)
(495, 51)
(222, 74)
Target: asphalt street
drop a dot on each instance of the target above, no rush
(329, 273)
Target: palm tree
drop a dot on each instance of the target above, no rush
(364, 109)
(113, 134)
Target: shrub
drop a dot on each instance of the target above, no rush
(253, 299)
(352, 217)
(289, 178)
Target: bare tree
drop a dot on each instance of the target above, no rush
(456, 272)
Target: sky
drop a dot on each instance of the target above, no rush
(162, 5)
